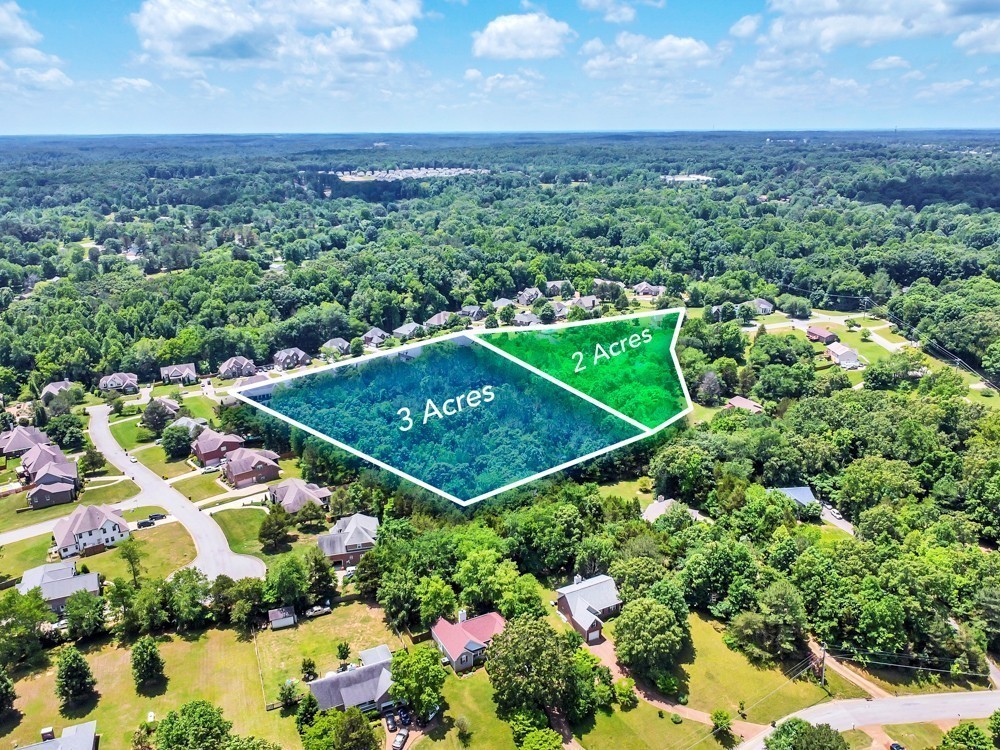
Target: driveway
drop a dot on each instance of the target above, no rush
(851, 714)
(214, 556)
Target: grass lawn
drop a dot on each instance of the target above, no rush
(825, 535)
(215, 666)
(717, 677)
(289, 468)
(155, 458)
(104, 493)
(200, 487)
(8, 473)
(909, 682)
(129, 434)
(470, 697)
(17, 557)
(281, 652)
(703, 413)
(141, 512)
(627, 488)
(167, 389)
(168, 548)
(915, 736)
(642, 729)
(200, 406)
(241, 527)
(856, 739)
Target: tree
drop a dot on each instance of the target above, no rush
(507, 314)
(321, 583)
(197, 725)
(308, 669)
(778, 629)
(547, 313)
(250, 743)
(288, 694)
(189, 589)
(21, 614)
(273, 532)
(66, 431)
(994, 726)
(74, 680)
(286, 584)
(340, 730)
(92, 460)
(542, 739)
(176, 441)
(437, 599)
(722, 722)
(147, 663)
(524, 721)
(343, 651)
(310, 516)
(7, 694)
(648, 636)
(132, 550)
(418, 678)
(357, 347)
(797, 734)
(305, 714)
(491, 321)
(84, 613)
(155, 417)
(965, 737)
(529, 665)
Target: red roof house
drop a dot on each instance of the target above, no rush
(464, 643)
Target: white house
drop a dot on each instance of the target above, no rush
(842, 355)
(87, 527)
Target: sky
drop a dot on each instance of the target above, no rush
(254, 66)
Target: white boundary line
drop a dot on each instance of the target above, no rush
(238, 392)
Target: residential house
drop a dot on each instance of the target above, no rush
(375, 337)
(123, 382)
(293, 494)
(802, 495)
(349, 539)
(438, 319)
(738, 402)
(169, 404)
(237, 367)
(53, 492)
(607, 283)
(283, 617)
(823, 336)
(650, 291)
(464, 643)
(587, 603)
(185, 374)
(526, 297)
(589, 302)
(54, 389)
(20, 440)
(408, 330)
(53, 479)
(258, 378)
(191, 424)
(501, 302)
(472, 312)
(552, 288)
(761, 306)
(365, 687)
(561, 310)
(843, 355)
(526, 319)
(289, 359)
(75, 737)
(210, 447)
(245, 467)
(89, 529)
(341, 346)
(57, 582)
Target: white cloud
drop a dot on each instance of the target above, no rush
(943, 89)
(42, 80)
(746, 27)
(14, 30)
(327, 40)
(914, 75)
(984, 39)
(612, 10)
(24, 68)
(123, 84)
(888, 63)
(472, 74)
(638, 54)
(32, 56)
(207, 90)
(525, 36)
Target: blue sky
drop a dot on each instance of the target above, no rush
(168, 66)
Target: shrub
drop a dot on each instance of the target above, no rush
(676, 718)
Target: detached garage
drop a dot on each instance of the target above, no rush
(283, 617)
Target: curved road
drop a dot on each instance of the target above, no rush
(848, 714)
(214, 556)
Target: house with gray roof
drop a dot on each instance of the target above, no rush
(58, 582)
(52, 478)
(552, 288)
(89, 527)
(169, 404)
(588, 302)
(282, 617)
(472, 312)
(75, 737)
(438, 319)
(210, 447)
(191, 424)
(527, 296)
(561, 309)
(124, 382)
(526, 319)
(349, 539)
(54, 389)
(802, 495)
(185, 373)
(408, 330)
(294, 494)
(290, 358)
(365, 687)
(341, 346)
(645, 289)
(19, 440)
(375, 337)
(501, 302)
(587, 603)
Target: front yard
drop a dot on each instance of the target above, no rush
(469, 697)
(129, 434)
(105, 492)
(241, 527)
(201, 487)
(155, 458)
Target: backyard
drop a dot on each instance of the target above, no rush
(642, 728)
(469, 697)
(241, 527)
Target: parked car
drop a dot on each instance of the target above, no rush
(401, 737)
(348, 576)
(146, 524)
(157, 516)
(404, 717)
(896, 746)
(209, 469)
(317, 611)
(133, 459)
(836, 514)
(390, 723)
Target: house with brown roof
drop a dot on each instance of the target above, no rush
(282, 617)
(349, 539)
(21, 439)
(290, 358)
(185, 373)
(89, 529)
(464, 643)
(739, 402)
(123, 382)
(210, 447)
(245, 467)
(294, 493)
(823, 336)
(237, 367)
(169, 404)
(52, 478)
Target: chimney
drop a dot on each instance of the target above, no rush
(577, 579)
(48, 734)
(462, 615)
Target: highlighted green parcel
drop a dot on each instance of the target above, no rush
(626, 364)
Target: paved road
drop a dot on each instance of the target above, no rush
(844, 715)
(214, 556)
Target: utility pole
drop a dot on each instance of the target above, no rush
(822, 668)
